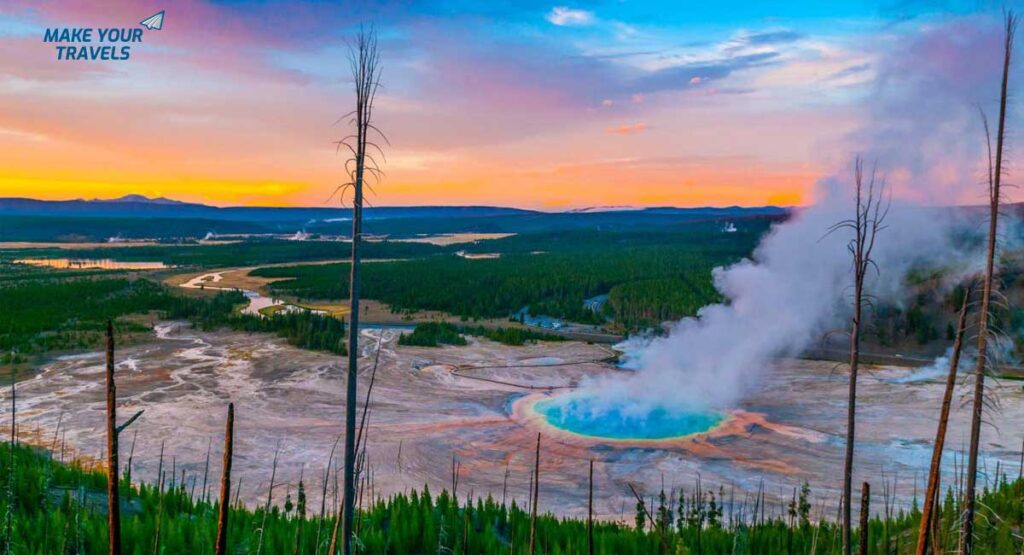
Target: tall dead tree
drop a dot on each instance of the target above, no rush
(995, 175)
(323, 493)
(533, 502)
(113, 490)
(270, 498)
(206, 470)
(932, 490)
(362, 168)
(225, 483)
(11, 476)
(590, 511)
(865, 513)
(869, 217)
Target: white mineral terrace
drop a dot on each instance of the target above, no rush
(432, 403)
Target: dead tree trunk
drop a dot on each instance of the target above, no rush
(159, 518)
(851, 418)
(113, 488)
(865, 512)
(11, 477)
(323, 493)
(364, 61)
(932, 490)
(206, 471)
(533, 504)
(225, 483)
(1020, 468)
(332, 549)
(866, 223)
(270, 497)
(504, 482)
(995, 180)
(590, 511)
(131, 456)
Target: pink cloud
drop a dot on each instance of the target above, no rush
(628, 129)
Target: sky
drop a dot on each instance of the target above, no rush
(535, 104)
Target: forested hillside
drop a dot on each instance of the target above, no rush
(56, 314)
(553, 284)
(45, 310)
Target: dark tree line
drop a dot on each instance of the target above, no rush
(553, 284)
(301, 328)
(433, 334)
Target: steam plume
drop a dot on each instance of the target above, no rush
(922, 130)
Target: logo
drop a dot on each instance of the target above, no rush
(100, 43)
(154, 21)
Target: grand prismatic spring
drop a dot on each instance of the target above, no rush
(579, 413)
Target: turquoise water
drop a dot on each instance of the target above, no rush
(580, 414)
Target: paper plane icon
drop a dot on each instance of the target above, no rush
(154, 21)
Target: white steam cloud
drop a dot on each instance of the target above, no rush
(938, 369)
(923, 131)
(780, 301)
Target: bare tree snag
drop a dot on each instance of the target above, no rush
(225, 483)
(333, 548)
(159, 518)
(504, 482)
(113, 483)
(270, 493)
(533, 503)
(932, 490)
(868, 220)
(590, 511)
(865, 515)
(365, 65)
(9, 517)
(995, 181)
(206, 470)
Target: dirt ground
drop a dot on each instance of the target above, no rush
(430, 404)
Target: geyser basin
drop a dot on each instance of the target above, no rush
(583, 415)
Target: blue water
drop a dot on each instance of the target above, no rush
(579, 414)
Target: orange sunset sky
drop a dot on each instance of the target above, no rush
(530, 104)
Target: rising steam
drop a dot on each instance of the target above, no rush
(923, 131)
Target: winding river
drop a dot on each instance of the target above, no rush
(257, 301)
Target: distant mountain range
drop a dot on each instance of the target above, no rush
(139, 206)
(136, 216)
(140, 198)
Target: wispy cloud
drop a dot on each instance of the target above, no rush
(764, 38)
(695, 73)
(632, 129)
(566, 17)
(849, 72)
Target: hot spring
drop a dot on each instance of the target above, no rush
(584, 415)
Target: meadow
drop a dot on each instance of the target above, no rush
(249, 252)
